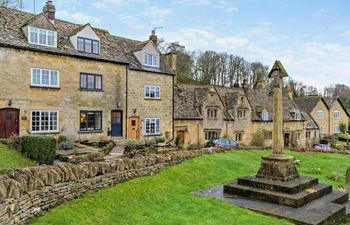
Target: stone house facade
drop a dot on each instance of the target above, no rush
(329, 114)
(64, 78)
(238, 114)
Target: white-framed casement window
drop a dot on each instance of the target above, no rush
(152, 126)
(42, 37)
(44, 121)
(265, 116)
(152, 92)
(150, 60)
(319, 115)
(321, 129)
(45, 78)
(336, 115)
(336, 129)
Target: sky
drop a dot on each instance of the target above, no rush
(310, 37)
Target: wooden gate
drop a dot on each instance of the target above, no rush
(9, 122)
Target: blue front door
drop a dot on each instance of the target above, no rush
(117, 124)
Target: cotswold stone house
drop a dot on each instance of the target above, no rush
(329, 114)
(203, 113)
(64, 78)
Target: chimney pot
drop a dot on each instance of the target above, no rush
(49, 11)
(290, 91)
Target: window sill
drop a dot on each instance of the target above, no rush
(90, 131)
(44, 133)
(150, 135)
(91, 90)
(153, 99)
(43, 87)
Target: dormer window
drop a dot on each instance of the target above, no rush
(150, 60)
(298, 116)
(87, 45)
(42, 37)
(265, 116)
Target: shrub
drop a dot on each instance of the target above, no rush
(161, 140)
(258, 138)
(61, 139)
(65, 145)
(108, 147)
(193, 147)
(14, 142)
(132, 143)
(40, 148)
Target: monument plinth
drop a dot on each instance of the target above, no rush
(277, 189)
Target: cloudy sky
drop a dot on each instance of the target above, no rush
(310, 37)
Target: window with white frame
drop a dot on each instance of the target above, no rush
(265, 116)
(152, 92)
(321, 129)
(336, 115)
(336, 129)
(150, 60)
(45, 78)
(319, 115)
(152, 126)
(42, 37)
(44, 121)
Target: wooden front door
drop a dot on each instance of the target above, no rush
(286, 140)
(117, 124)
(9, 122)
(181, 137)
(134, 128)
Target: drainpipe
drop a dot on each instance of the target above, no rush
(126, 101)
(173, 114)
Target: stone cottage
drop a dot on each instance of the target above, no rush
(203, 113)
(328, 113)
(64, 78)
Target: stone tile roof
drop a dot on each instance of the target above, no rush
(310, 123)
(184, 102)
(307, 103)
(260, 102)
(112, 48)
(330, 102)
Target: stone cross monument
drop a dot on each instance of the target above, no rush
(278, 166)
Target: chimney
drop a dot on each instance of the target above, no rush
(313, 94)
(245, 85)
(154, 37)
(290, 91)
(171, 59)
(49, 11)
(261, 86)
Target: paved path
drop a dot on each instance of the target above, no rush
(117, 151)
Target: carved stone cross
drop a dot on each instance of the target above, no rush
(278, 73)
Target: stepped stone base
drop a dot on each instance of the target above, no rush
(333, 208)
(278, 190)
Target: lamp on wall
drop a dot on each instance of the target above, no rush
(119, 104)
(135, 110)
(10, 103)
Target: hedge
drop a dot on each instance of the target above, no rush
(40, 148)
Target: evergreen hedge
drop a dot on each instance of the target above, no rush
(40, 148)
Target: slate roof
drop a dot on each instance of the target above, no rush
(258, 100)
(310, 123)
(112, 48)
(307, 103)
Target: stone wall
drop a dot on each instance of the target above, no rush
(25, 193)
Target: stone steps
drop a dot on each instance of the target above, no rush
(291, 187)
(332, 208)
(294, 200)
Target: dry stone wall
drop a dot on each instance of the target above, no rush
(25, 193)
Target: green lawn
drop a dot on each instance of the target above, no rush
(166, 197)
(11, 159)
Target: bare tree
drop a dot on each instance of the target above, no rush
(14, 4)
